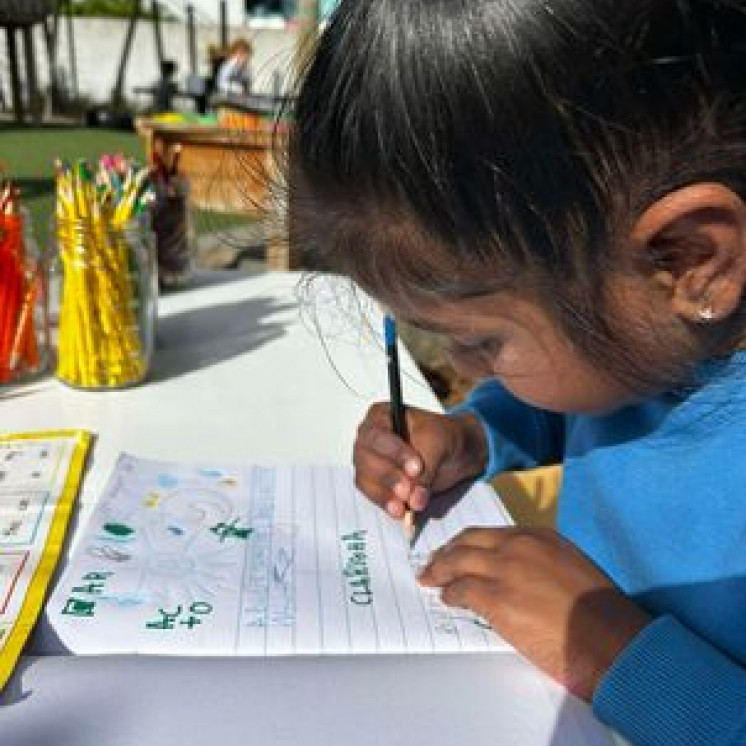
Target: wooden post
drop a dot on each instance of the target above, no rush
(117, 93)
(15, 73)
(51, 29)
(191, 39)
(156, 8)
(32, 79)
(224, 24)
(72, 60)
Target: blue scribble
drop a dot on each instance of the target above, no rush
(115, 539)
(125, 599)
(167, 481)
(213, 473)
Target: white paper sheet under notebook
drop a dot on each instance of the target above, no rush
(218, 560)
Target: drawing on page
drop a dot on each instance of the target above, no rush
(176, 545)
(106, 552)
(279, 560)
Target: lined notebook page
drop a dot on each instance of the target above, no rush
(259, 561)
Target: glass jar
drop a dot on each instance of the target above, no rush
(24, 318)
(104, 297)
(174, 233)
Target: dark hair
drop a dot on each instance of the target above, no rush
(449, 148)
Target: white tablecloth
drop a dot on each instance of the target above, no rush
(245, 373)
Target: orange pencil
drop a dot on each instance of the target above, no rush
(31, 349)
(24, 330)
(12, 280)
(5, 301)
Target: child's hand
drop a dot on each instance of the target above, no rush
(442, 451)
(543, 596)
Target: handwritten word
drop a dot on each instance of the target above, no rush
(168, 619)
(355, 568)
(94, 583)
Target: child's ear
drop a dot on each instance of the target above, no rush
(695, 240)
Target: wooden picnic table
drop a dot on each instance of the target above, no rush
(229, 170)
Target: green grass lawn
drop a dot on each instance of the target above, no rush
(28, 154)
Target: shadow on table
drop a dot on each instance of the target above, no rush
(202, 337)
(62, 715)
(13, 692)
(207, 279)
(25, 387)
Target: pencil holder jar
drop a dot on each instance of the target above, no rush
(104, 297)
(24, 318)
(174, 232)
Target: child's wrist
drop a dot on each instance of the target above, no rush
(607, 648)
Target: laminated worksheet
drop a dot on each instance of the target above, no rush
(253, 561)
(39, 478)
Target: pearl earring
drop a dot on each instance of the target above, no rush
(706, 314)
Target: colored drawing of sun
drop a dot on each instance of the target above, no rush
(183, 549)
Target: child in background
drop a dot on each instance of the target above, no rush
(165, 87)
(233, 75)
(557, 186)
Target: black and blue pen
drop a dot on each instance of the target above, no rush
(398, 411)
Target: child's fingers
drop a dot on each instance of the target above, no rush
(419, 497)
(379, 493)
(472, 592)
(485, 551)
(469, 578)
(376, 431)
(456, 562)
(382, 442)
(387, 468)
(381, 480)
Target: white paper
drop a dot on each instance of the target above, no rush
(215, 560)
(32, 476)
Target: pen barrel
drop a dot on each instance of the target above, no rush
(398, 410)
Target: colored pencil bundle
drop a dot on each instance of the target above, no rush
(19, 290)
(103, 249)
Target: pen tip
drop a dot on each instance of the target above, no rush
(410, 527)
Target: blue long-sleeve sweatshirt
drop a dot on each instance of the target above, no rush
(655, 495)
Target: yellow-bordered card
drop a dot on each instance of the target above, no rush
(40, 474)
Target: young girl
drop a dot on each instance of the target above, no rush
(557, 186)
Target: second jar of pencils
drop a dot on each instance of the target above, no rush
(24, 323)
(104, 288)
(174, 234)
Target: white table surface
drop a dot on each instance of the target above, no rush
(242, 375)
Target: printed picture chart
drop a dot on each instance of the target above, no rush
(257, 561)
(39, 478)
